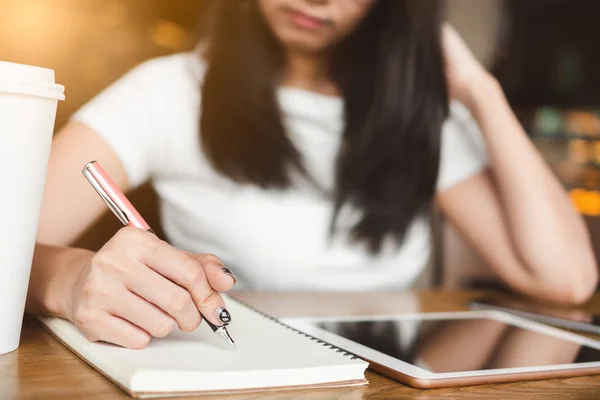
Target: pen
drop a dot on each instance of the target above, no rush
(128, 215)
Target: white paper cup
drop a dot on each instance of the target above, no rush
(28, 102)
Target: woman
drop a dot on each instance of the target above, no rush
(303, 146)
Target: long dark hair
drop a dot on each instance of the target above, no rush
(390, 72)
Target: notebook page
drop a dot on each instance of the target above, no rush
(263, 345)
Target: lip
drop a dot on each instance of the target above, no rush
(304, 21)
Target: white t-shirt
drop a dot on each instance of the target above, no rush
(272, 240)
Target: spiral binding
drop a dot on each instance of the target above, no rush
(314, 339)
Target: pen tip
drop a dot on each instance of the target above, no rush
(227, 337)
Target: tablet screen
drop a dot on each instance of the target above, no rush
(462, 344)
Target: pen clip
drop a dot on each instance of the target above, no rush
(104, 196)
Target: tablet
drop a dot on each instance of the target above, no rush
(434, 350)
(573, 319)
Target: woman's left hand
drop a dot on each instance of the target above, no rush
(463, 70)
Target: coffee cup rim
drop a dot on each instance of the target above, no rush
(51, 91)
(29, 80)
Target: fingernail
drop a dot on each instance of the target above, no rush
(228, 272)
(223, 316)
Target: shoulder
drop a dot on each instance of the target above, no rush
(137, 114)
(160, 87)
(172, 71)
(459, 116)
(460, 126)
(153, 84)
(463, 151)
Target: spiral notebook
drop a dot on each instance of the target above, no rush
(270, 356)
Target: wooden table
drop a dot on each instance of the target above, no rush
(43, 369)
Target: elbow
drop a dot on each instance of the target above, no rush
(577, 296)
(566, 274)
(582, 293)
(579, 287)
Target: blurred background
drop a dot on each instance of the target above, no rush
(544, 53)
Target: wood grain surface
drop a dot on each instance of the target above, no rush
(42, 368)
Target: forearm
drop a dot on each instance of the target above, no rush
(548, 234)
(53, 273)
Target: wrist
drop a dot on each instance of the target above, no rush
(59, 273)
(75, 261)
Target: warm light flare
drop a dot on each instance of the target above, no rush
(587, 202)
(36, 26)
(168, 34)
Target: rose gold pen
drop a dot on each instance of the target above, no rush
(128, 215)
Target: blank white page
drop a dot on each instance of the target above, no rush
(263, 345)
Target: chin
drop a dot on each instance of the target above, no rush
(305, 46)
(300, 41)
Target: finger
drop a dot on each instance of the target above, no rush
(213, 309)
(220, 279)
(143, 314)
(166, 295)
(219, 276)
(188, 273)
(115, 330)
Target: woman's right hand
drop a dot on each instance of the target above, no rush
(138, 286)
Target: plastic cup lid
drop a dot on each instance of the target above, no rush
(29, 80)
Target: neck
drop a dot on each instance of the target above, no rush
(308, 72)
